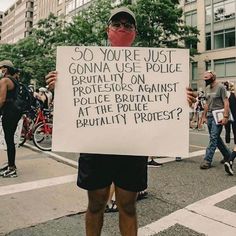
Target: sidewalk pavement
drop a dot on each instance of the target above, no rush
(45, 189)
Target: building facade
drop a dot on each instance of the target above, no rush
(17, 21)
(42, 9)
(216, 22)
(61, 8)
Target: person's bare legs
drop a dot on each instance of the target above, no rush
(112, 191)
(126, 202)
(95, 212)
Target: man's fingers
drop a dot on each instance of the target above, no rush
(51, 78)
(51, 74)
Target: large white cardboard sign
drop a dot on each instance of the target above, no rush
(16, 137)
(119, 100)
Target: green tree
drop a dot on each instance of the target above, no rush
(36, 54)
(89, 25)
(6, 51)
(160, 24)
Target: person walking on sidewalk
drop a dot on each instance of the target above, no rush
(98, 171)
(10, 114)
(216, 99)
(232, 105)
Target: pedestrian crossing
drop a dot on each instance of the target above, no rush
(202, 216)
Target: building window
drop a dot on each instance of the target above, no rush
(70, 7)
(59, 12)
(191, 18)
(225, 67)
(28, 14)
(224, 10)
(224, 38)
(208, 15)
(208, 41)
(29, 4)
(86, 1)
(188, 1)
(230, 38)
(219, 39)
(28, 24)
(208, 64)
(194, 71)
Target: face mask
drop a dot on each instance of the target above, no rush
(209, 81)
(121, 37)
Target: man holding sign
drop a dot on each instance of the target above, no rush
(98, 171)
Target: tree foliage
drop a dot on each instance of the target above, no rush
(89, 27)
(35, 55)
(159, 25)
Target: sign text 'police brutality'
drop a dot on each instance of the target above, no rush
(122, 88)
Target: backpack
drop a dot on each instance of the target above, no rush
(24, 98)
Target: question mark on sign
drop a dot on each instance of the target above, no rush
(179, 110)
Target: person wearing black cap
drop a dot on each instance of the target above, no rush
(98, 171)
(10, 115)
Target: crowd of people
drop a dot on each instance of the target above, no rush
(106, 175)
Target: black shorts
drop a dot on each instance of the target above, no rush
(97, 171)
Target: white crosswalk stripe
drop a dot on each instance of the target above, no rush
(202, 216)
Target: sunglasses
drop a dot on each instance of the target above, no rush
(126, 25)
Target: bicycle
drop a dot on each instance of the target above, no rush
(42, 135)
(40, 121)
(28, 126)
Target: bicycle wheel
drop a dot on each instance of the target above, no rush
(42, 136)
(23, 136)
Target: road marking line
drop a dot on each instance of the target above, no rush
(207, 207)
(188, 219)
(201, 216)
(61, 158)
(197, 153)
(196, 133)
(197, 146)
(218, 197)
(160, 160)
(17, 188)
(191, 154)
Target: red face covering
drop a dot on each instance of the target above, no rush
(121, 37)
